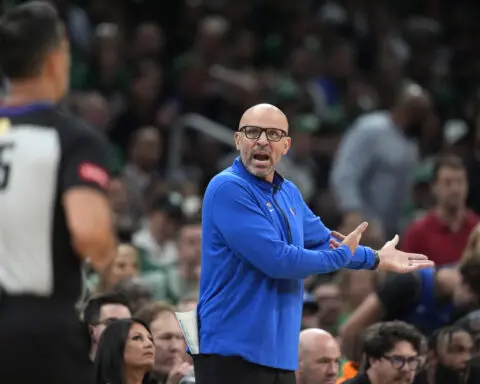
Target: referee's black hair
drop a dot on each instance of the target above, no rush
(28, 33)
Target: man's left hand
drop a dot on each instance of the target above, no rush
(392, 259)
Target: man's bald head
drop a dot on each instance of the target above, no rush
(265, 116)
(412, 95)
(413, 110)
(311, 337)
(319, 357)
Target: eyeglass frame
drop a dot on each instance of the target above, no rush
(262, 130)
(399, 362)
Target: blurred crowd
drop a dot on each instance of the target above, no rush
(167, 81)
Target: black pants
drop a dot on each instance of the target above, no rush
(42, 341)
(215, 369)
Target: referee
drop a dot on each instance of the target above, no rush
(53, 210)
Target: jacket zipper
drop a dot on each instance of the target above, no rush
(285, 218)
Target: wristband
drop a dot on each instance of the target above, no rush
(377, 260)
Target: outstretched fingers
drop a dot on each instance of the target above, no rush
(416, 256)
(415, 265)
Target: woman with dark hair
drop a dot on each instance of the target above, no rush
(125, 354)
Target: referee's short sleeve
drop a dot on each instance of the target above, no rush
(84, 161)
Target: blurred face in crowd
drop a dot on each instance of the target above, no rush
(125, 265)
(94, 109)
(146, 87)
(109, 313)
(190, 242)
(149, 40)
(302, 64)
(189, 249)
(418, 111)
(451, 188)
(398, 366)
(194, 82)
(139, 350)
(169, 342)
(329, 300)
(341, 61)
(118, 196)
(455, 350)
(452, 357)
(136, 292)
(108, 49)
(319, 358)
(146, 148)
(261, 151)
(210, 36)
(162, 226)
(244, 48)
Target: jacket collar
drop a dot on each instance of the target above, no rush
(239, 168)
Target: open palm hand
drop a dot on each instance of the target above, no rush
(392, 259)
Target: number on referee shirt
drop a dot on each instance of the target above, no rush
(4, 165)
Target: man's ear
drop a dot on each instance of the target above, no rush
(237, 138)
(371, 362)
(288, 143)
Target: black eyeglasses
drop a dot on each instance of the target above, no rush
(253, 132)
(399, 362)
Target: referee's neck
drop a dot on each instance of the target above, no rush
(29, 92)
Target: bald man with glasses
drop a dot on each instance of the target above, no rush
(260, 240)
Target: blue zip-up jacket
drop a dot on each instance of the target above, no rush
(259, 241)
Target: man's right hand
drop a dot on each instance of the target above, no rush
(352, 240)
(180, 370)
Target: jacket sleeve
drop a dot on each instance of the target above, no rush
(317, 237)
(252, 237)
